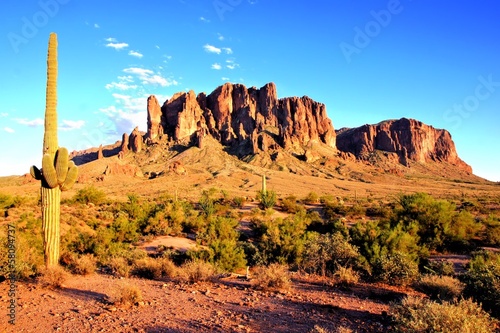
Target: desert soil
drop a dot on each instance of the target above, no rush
(228, 304)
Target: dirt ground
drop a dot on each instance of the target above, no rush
(224, 305)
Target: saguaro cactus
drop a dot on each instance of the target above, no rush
(57, 173)
(264, 189)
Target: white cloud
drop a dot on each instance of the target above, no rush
(120, 86)
(227, 50)
(221, 38)
(117, 46)
(216, 66)
(211, 49)
(157, 47)
(205, 20)
(147, 76)
(111, 40)
(96, 26)
(31, 123)
(69, 125)
(135, 54)
(231, 64)
(3, 114)
(8, 130)
(225, 78)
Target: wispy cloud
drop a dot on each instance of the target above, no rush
(212, 49)
(225, 78)
(221, 38)
(69, 125)
(120, 86)
(135, 54)
(96, 26)
(111, 40)
(8, 130)
(216, 66)
(231, 64)
(3, 114)
(147, 76)
(227, 50)
(31, 123)
(157, 47)
(205, 20)
(117, 46)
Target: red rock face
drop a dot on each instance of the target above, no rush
(135, 141)
(238, 117)
(154, 119)
(409, 138)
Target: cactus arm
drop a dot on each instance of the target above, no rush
(264, 190)
(35, 173)
(71, 177)
(61, 164)
(49, 172)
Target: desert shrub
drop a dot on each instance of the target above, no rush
(491, 234)
(124, 229)
(335, 209)
(290, 205)
(267, 199)
(482, 281)
(79, 264)
(440, 267)
(272, 277)
(147, 268)
(221, 239)
(376, 238)
(282, 240)
(311, 198)
(197, 271)
(346, 276)
(28, 245)
(90, 194)
(444, 288)
(119, 267)
(80, 242)
(327, 253)
(53, 277)
(395, 269)
(418, 315)
(339, 329)
(126, 295)
(166, 218)
(239, 202)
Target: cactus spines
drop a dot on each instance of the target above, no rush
(50, 143)
(264, 190)
(35, 173)
(49, 172)
(61, 164)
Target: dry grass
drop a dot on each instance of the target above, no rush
(119, 267)
(196, 271)
(418, 315)
(272, 277)
(445, 288)
(126, 295)
(53, 277)
(346, 276)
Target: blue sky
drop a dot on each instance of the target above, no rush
(367, 61)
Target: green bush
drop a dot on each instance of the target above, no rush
(221, 239)
(267, 199)
(346, 276)
(290, 205)
(89, 194)
(418, 315)
(491, 234)
(395, 269)
(327, 253)
(440, 267)
(482, 281)
(282, 240)
(443, 288)
(312, 198)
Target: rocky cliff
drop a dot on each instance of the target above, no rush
(409, 138)
(244, 119)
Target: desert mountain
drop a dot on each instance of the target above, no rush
(410, 139)
(236, 125)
